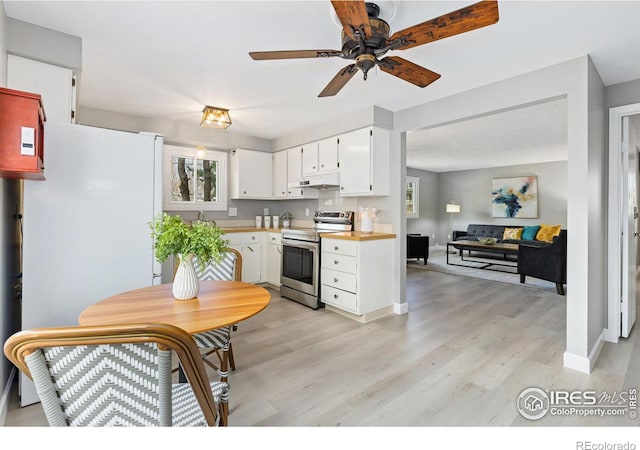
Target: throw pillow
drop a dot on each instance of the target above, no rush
(512, 233)
(548, 232)
(529, 233)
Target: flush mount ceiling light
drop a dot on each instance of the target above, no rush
(214, 117)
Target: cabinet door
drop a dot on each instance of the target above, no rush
(328, 154)
(251, 258)
(280, 174)
(294, 164)
(53, 83)
(310, 158)
(294, 171)
(355, 162)
(274, 261)
(253, 173)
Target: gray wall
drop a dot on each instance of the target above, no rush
(44, 45)
(597, 194)
(472, 190)
(622, 94)
(426, 223)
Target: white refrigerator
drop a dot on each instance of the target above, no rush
(85, 228)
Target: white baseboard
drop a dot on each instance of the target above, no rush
(401, 308)
(585, 364)
(4, 400)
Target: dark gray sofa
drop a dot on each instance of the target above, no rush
(476, 231)
(538, 259)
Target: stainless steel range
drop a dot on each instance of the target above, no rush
(300, 274)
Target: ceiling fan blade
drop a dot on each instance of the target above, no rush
(291, 54)
(353, 15)
(338, 82)
(408, 71)
(472, 17)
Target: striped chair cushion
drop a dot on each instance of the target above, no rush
(114, 385)
(216, 271)
(224, 270)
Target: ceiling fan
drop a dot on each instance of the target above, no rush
(365, 39)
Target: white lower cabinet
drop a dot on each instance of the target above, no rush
(250, 247)
(356, 276)
(274, 258)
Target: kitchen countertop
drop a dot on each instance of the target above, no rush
(358, 236)
(250, 230)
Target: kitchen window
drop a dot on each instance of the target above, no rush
(194, 179)
(412, 201)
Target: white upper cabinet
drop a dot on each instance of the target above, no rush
(280, 174)
(320, 156)
(364, 162)
(309, 158)
(294, 175)
(251, 174)
(328, 154)
(55, 84)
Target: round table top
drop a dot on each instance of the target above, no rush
(218, 304)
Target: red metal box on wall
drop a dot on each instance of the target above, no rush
(21, 135)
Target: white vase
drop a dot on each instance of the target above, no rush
(185, 284)
(285, 223)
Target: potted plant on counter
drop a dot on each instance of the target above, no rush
(286, 219)
(203, 240)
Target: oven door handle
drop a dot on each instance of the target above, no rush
(311, 246)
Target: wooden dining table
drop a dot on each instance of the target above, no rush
(218, 304)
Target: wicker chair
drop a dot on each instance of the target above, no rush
(218, 342)
(118, 375)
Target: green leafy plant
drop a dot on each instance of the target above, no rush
(286, 216)
(173, 236)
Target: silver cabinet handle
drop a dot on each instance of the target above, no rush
(336, 248)
(250, 248)
(335, 280)
(335, 261)
(335, 295)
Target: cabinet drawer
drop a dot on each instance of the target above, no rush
(340, 246)
(340, 299)
(335, 261)
(251, 238)
(340, 280)
(274, 238)
(234, 238)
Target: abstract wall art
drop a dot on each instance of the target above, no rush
(514, 197)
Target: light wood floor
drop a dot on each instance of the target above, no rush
(460, 357)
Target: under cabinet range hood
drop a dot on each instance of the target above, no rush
(326, 180)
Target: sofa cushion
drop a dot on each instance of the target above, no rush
(529, 233)
(546, 233)
(523, 242)
(512, 233)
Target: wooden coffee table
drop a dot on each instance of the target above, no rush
(498, 248)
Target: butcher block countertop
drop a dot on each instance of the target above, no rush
(250, 230)
(358, 236)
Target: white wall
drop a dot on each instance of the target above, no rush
(571, 80)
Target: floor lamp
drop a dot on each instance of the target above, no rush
(452, 208)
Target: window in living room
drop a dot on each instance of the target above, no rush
(412, 201)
